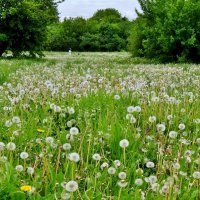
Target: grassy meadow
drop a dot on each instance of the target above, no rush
(100, 126)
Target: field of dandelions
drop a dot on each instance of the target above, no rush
(97, 126)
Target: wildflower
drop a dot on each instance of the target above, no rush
(138, 109)
(182, 110)
(124, 143)
(98, 174)
(152, 119)
(71, 186)
(155, 187)
(16, 120)
(132, 120)
(38, 141)
(183, 173)
(196, 175)
(176, 166)
(23, 155)
(25, 188)
(69, 124)
(63, 184)
(139, 171)
(74, 131)
(117, 163)
(66, 146)
(152, 179)
(197, 161)
(116, 97)
(172, 134)
(8, 123)
(40, 130)
(104, 165)
(170, 117)
(181, 126)
(122, 183)
(139, 182)
(165, 189)
(33, 189)
(130, 109)
(150, 164)
(161, 127)
(49, 140)
(74, 157)
(30, 170)
(71, 110)
(2, 146)
(19, 168)
(111, 170)
(122, 175)
(155, 99)
(15, 133)
(57, 109)
(11, 146)
(53, 145)
(96, 157)
(65, 196)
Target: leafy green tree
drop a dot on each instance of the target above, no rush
(109, 29)
(50, 8)
(23, 25)
(168, 30)
(56, 40)
(109, 15)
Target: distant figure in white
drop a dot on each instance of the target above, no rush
(70, 52)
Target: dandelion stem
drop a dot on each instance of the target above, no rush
(124, 152)
(119, 195)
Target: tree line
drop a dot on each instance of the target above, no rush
(33, 26)
(168, 31)
(106, 30)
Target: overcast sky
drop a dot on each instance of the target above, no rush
(86, 8)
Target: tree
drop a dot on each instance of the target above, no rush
(168, 30)
(23, 25)
(50, 7)
(109, 15)
(106, 30)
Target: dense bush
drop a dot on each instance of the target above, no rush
(167, 30)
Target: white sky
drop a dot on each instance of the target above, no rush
(86, 8)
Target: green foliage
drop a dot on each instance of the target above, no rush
(108, 14)
(136, 37)
(106, 30)
(167, 30)
(23, 25)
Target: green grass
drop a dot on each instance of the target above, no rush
(40, 94)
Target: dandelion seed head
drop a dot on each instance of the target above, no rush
(71, 186)
(24, 155)
(122, 175)
(124, 143)
(74, 157)
(11, 146)
(138, 182)
(74, 131)
(111, 170)
(150, 164)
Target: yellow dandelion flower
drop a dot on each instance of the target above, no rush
(40, 130)
(25, 188)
